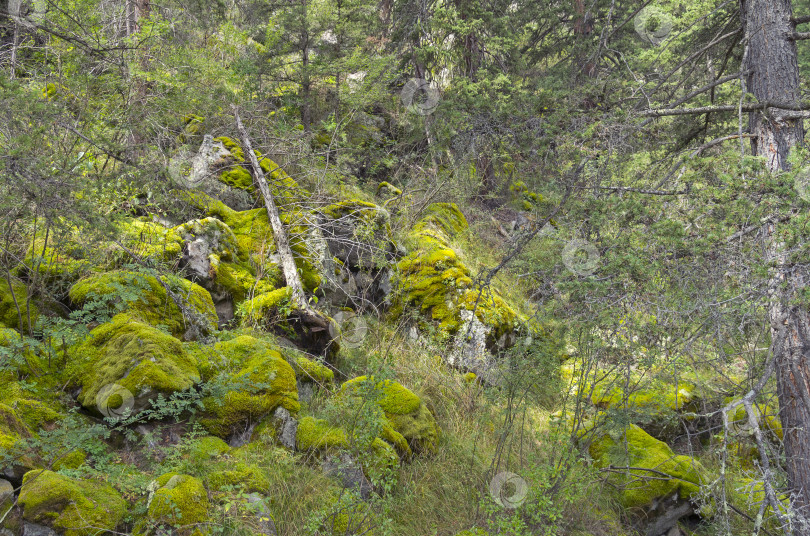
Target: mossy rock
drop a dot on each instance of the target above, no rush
(206, 448)
(33, 412)
(12, 427)
(433, 278)
(178, 500)
(151, 240)
(406, 413)
(388, 190)
(238, 475)
(12, 297)
(309, 370)
(258, 380)
(657, 473)
(140, 359)
(266, 305)
(145, 298)
(318, 434)
(236, 174)
(70, 506)
(214, 232)
(254, 236)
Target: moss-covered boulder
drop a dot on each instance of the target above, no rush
(178, 500)
(13, 431)
(14, 304)
(64, 258)
(255, 380)
(256, 245)
(70, 506)
(129, 363)
(435, 280)
(206, 448)
(654, 473)
(149, 239)
(145, 298)
(12, 524)
(410, 424)
(233, 474)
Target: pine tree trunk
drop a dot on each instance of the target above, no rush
(772, 59)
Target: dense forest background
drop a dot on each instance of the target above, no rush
(525, 267)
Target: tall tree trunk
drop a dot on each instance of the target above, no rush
(772, 59)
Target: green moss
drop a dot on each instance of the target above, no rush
(308, 370)
(136, 356)
(71, 506)
(434, 278)
(316, 434)
(636, 448)
(255, 241)
(179, 500)
(389, 189)
(145, 298)
(267, 304)
(393, 397)
(248, 478)
(207, 447)
(405, 412)
(14, 296)
(12, 428)
(259, 381)
(151, 240)
(71, 460)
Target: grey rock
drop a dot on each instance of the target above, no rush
(287, 427)
(266, 525)
(200, 170)
(32, 529)
(349, 472)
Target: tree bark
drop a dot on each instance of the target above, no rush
(774, 76)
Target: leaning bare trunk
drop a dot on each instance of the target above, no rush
(772, 61)
(313, 327)
(279, 233)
